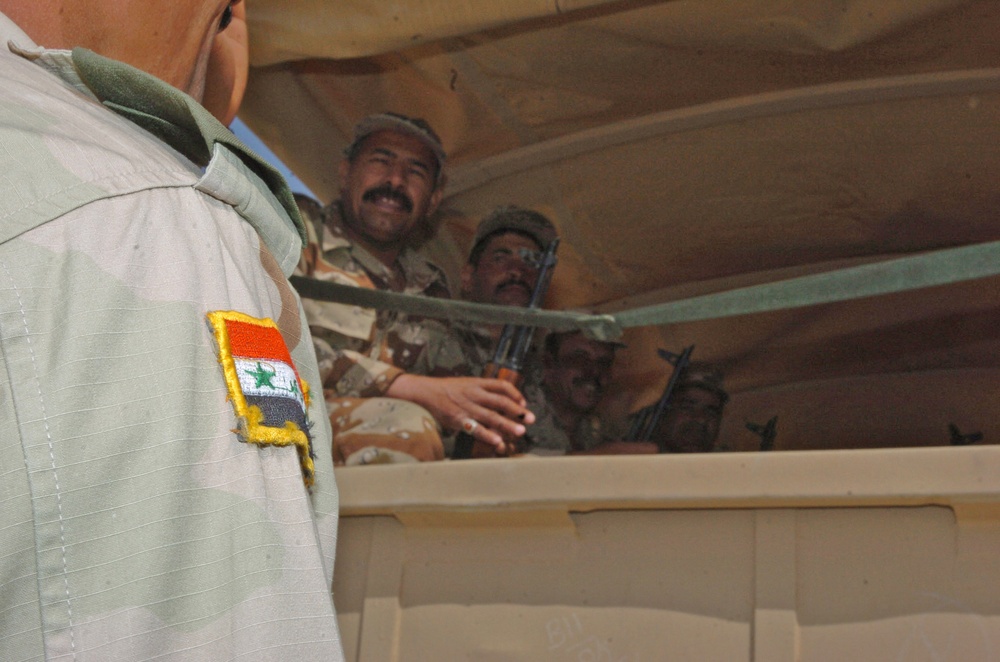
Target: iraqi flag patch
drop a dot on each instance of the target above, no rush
(267, 393)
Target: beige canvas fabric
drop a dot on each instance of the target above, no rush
(691, 147)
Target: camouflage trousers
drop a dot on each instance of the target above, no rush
(382, 431)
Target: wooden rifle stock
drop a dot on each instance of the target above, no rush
(515, 341)
(494, 371)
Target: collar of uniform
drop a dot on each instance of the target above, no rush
(15, 38)
(420, 274)
(163, 110)
(480, 334)
(57, 62)
(176, 118)
(333, 236)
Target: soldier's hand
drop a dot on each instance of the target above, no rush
(488, 409)
(482, 449)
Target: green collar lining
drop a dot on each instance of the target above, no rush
(175, 118)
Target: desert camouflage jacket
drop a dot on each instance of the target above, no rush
(547, 436)
(361, 350)
(151, 506)
(461, 352)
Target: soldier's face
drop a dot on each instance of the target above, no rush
(389, 188)
(580, 373)
(691, 422)
(502, 277)
(171, 42)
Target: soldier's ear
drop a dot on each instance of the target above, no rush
(342, 171)
(466, 277)
(436, 197)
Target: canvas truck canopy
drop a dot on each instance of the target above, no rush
(806, 192)
(691, 153)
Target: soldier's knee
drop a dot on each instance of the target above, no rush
(383, 430)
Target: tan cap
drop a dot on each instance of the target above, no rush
(703, 375)
(412, 126)
(586, 310)
(516, 219)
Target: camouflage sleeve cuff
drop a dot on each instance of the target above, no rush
(359, 376)
(390, 377)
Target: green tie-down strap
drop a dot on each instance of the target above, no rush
(941, 267)
(598, 327)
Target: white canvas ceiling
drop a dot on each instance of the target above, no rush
(696, 146)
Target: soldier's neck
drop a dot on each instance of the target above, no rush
(387, 255)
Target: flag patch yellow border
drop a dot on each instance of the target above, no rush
(270, 399)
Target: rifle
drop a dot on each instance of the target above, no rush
(645, 424)
(515, 341)
(767, 432)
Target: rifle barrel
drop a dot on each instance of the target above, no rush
(652, 418)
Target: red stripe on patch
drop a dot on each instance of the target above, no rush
(255, 341)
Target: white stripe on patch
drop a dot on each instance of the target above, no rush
(268, 378)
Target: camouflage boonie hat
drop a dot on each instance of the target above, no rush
(704, 376)
(411, 126)
(516, 219)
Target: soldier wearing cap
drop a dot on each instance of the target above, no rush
(691, 423)
(565, 382)
(575, 374)
(497, 270)
(692, 419)
(381, 408)
(501, 270)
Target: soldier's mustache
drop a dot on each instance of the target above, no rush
(694, 428)
(387, 191)
(588, 381)
(514, 281)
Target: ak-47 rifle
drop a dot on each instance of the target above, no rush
(515, 341)
(767, 432)
(643, 427)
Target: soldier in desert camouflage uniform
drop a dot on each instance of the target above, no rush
(497, 272)
(691, 421)
(575, 374)
(381, 408)
(165, 494)
(562, 384)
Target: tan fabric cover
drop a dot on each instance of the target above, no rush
(692, 146)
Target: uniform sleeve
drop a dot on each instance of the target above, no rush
(347, 373)
(173, 532)
(446, 354)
